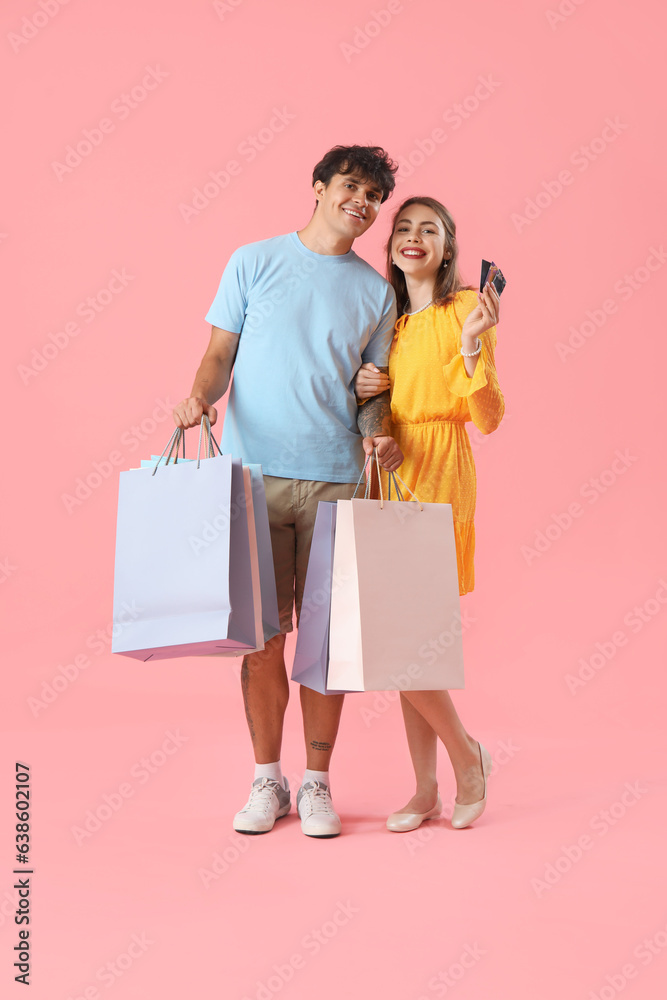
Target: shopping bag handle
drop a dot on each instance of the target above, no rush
(205, 422)
(374, 454)
(179, 436)
(175, 439)
(393, 477)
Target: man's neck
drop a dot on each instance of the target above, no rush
(320, 239)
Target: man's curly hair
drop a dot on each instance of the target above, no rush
(371, 163)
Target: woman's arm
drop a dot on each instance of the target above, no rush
(483, 317)
(487, 404)
(475, 378)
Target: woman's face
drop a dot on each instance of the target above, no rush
(418, 242)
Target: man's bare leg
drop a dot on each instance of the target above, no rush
(265, 696)
(321, 717)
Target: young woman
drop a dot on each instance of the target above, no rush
(442, 374)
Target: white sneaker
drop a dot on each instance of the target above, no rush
(268, 802)
(314, 805)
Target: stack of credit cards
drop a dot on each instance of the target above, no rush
(492, 273)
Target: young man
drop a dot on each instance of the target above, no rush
(296, 316)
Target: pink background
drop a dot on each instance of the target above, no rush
(553, 891)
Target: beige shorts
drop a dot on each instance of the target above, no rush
(292, 505)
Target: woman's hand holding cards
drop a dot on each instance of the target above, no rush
(485, 315)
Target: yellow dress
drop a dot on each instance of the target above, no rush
(432, 398)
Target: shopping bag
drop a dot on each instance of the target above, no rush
(182, 598)
(395, 619)
(267, 574)
(311, 655)
(242, 526)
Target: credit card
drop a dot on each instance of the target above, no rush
(492, 273)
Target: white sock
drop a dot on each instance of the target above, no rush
(309, 775)
(270, 771)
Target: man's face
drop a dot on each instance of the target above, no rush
(349, 204)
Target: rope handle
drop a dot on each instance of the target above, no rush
(397, 477)
(178, 437)
(367, 491)
(210, 439)
(392, 477)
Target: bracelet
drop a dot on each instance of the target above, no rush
(473, 354)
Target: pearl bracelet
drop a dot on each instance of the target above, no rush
(473, 354)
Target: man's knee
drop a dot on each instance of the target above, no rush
(272, 653)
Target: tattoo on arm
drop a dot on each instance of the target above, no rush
(374, 417)
(320, 745)
(245, 683)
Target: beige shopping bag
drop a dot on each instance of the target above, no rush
(395, 615)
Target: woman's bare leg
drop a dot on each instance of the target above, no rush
(436, 709)
(423, 746)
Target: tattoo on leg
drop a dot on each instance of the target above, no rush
(320, 745)
(245, 682)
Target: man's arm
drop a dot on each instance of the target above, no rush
(374, 423)
(374, 417)
(211, 381)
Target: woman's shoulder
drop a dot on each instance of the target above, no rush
(467, 294)
(464, 295)
(463, 302)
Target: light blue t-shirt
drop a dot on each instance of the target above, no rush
(307, 321)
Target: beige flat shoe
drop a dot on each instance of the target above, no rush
(400, 822)
(464, 815)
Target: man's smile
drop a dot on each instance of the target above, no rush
(355, 214)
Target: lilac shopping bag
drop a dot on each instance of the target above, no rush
(267, 575)
(311, 656)
(245, 501)
(187, 599)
